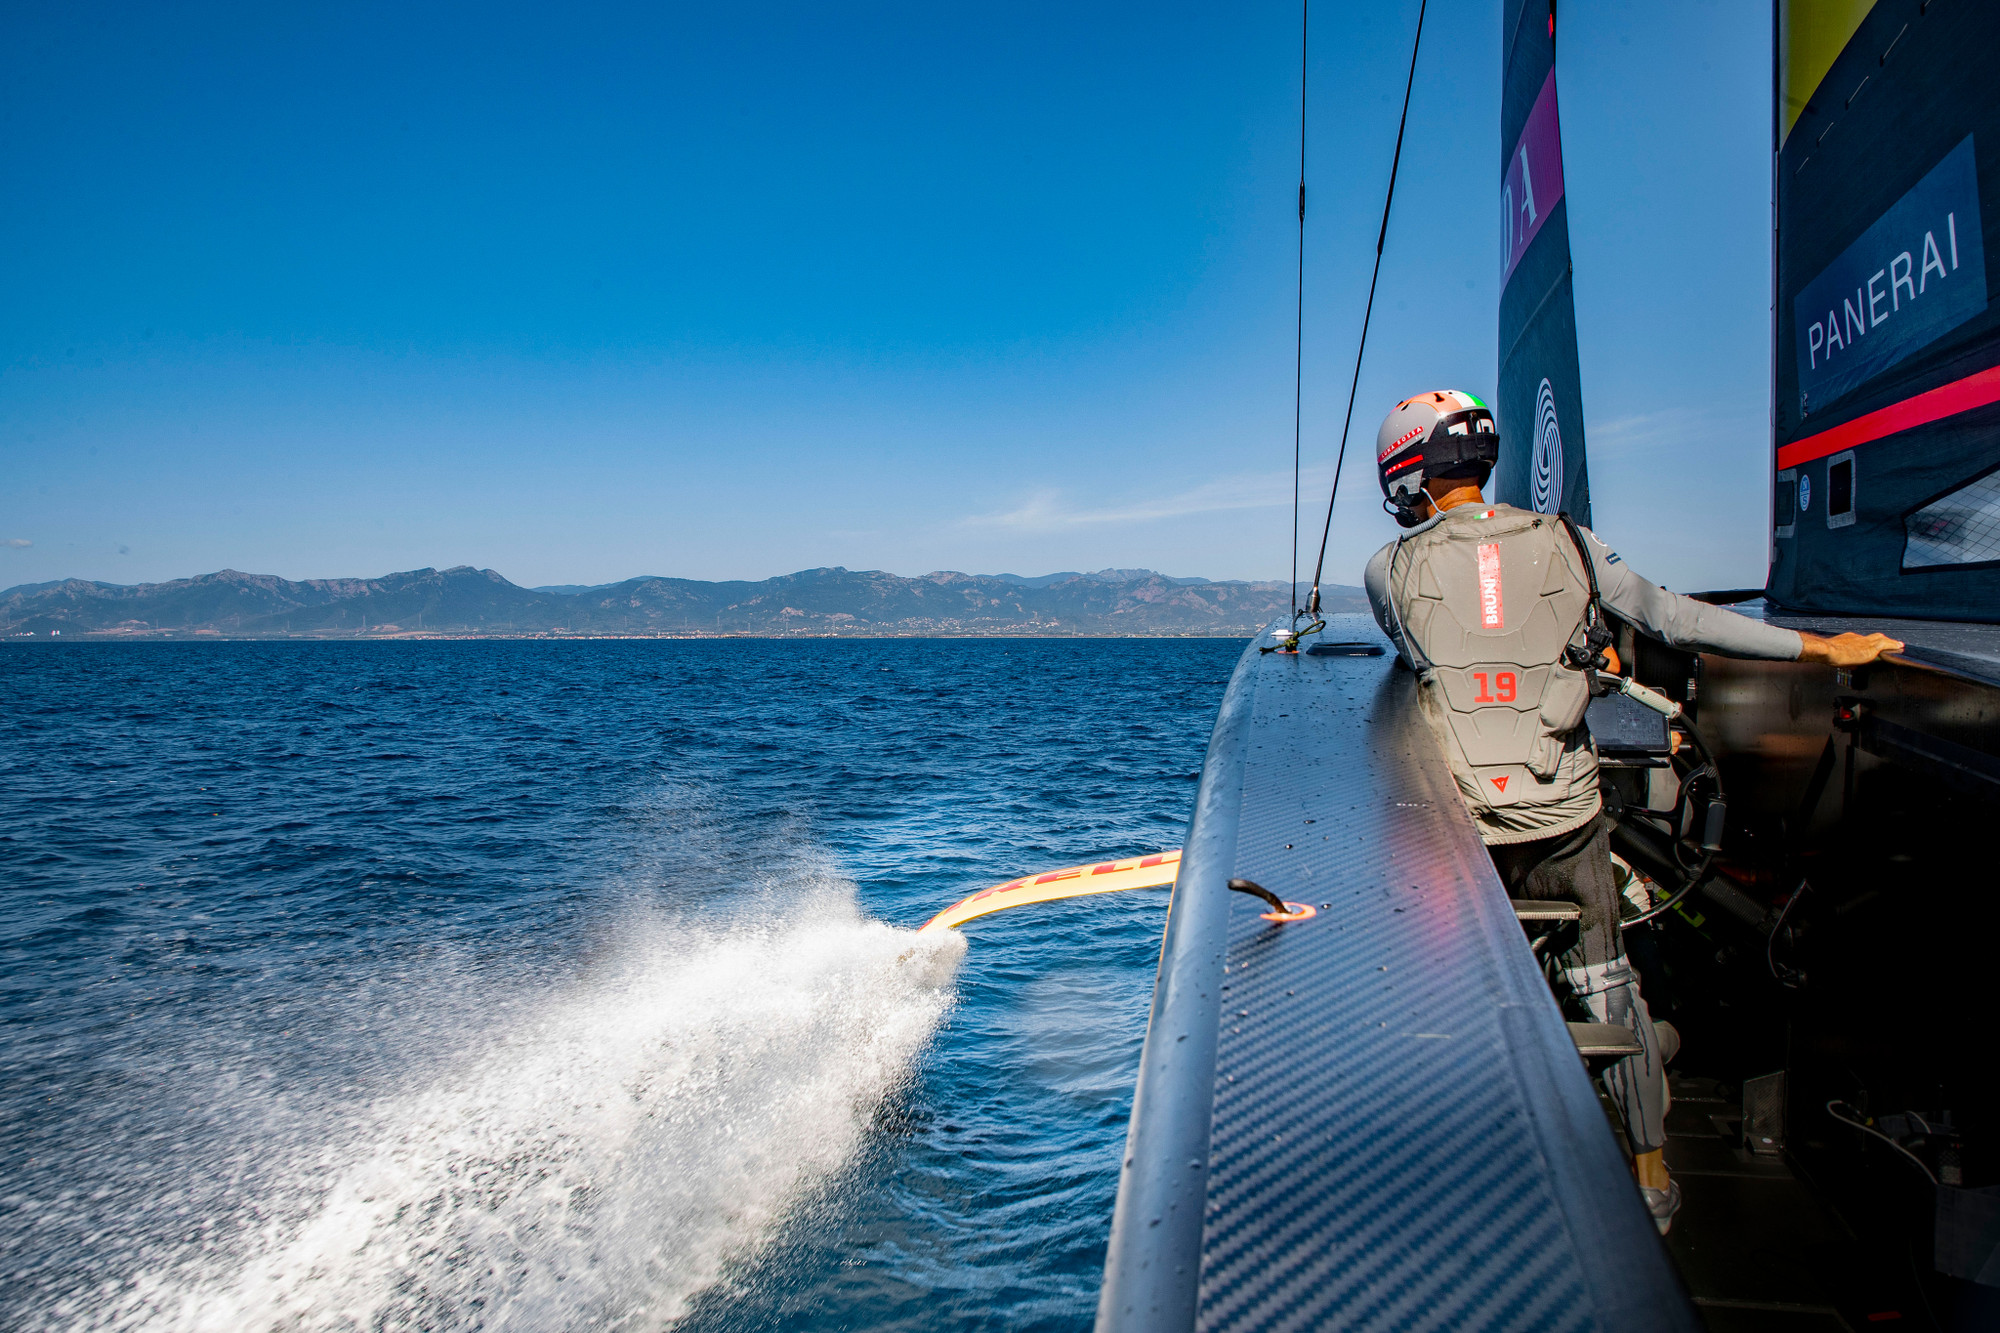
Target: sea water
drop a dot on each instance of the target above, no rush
(548, 985)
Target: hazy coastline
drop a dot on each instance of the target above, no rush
(463, 602)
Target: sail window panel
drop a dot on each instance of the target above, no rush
(1960, 528)
(1840, 490)
(1785, 502)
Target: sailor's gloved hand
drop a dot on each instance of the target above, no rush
(1846, 650)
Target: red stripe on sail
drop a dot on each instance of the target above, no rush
(1937, 404)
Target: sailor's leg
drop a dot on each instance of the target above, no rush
(1638, 1083)
(1576, 866)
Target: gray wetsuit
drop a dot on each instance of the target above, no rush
(1485, 598)
(1481, 601)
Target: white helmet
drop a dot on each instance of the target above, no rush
(1431, 435)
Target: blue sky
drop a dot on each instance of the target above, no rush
(583, 292)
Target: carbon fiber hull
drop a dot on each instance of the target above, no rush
(1375, 1118)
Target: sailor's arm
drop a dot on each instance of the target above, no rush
(1375, 580)
(1686, 623)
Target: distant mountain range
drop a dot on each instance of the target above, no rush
(466, 601)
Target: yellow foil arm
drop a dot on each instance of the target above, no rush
(1134, 872)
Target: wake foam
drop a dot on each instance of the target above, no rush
(599, 1159)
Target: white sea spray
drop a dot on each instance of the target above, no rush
(596, 1160)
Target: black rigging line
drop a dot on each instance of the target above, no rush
(1299, 331)
(1312, 602)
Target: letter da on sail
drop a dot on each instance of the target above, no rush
(1540, 403)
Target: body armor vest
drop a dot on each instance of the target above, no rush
(1488, 599)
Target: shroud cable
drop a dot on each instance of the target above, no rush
(1299, 329)
(1319, 565)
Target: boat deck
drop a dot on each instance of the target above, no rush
(1374, 1118)
(1962, 648)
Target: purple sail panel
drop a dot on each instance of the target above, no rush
(1533, 181)
(1538, 395)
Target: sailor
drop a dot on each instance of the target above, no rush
(1497, 609)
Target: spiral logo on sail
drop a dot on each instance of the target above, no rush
(1548, 453)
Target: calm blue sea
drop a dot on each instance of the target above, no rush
(522, 985)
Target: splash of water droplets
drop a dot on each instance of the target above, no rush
(600, 1159)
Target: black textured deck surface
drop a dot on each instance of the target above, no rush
(1398, 1133)
(1967, 648)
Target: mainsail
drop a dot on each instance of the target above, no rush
(1886, 356)
(1540, 405)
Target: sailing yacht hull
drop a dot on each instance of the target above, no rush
(1375, 1118)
